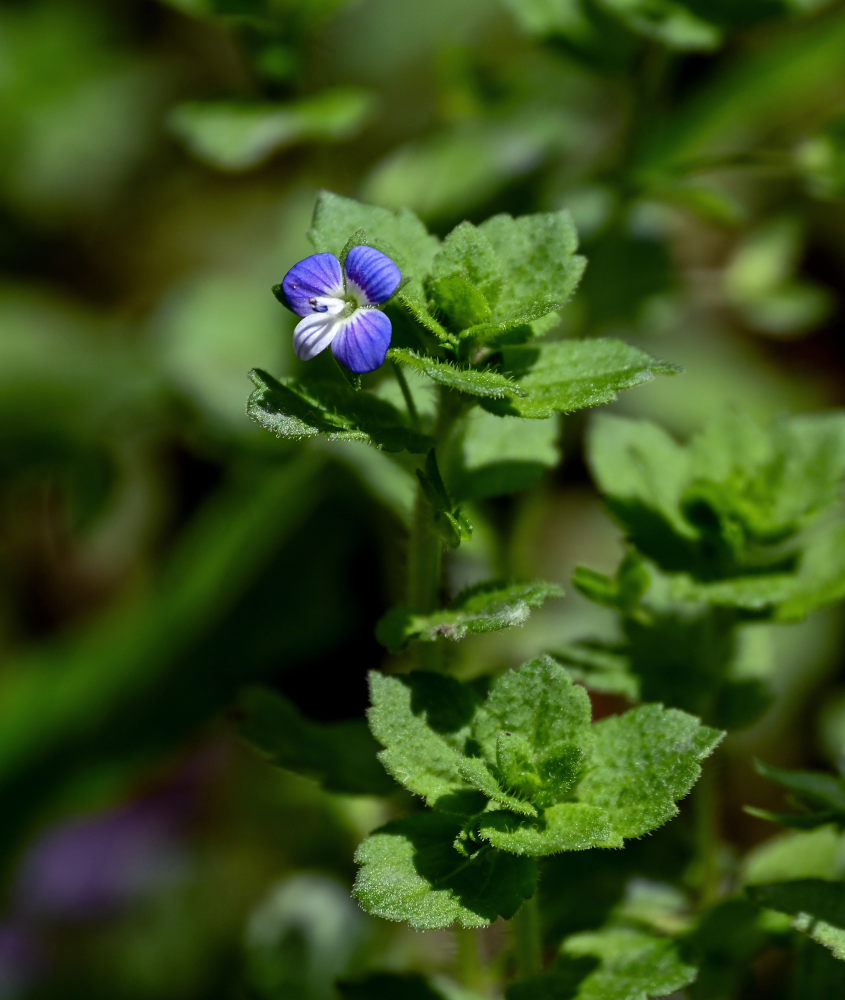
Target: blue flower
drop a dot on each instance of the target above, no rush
(339, 306)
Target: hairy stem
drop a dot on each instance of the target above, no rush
(407, 396)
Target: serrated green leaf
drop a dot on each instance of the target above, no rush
(817, 908)
(410, 870)
(400, 234)
(423, 721)
(460, 304)
(466, 251)
(537, 701)
(293, 409)
(568, 375)
(236, 136)
(473, 381)
(532, 735)
(538, 258)
(486, 607)
(612, 964)
(567, 826)
(342, 756)
(642, 763)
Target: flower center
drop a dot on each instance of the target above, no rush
(327, 304)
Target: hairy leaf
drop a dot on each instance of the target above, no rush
(410, 870)
(568, 375)
(473, 381)
(293, 409)
(487, 607)
(817, 908)
(423, 721)
(642, 763)
(611, 964)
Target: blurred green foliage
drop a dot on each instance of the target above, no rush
(158, 167)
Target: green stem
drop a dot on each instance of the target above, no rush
(527, 941)
(706, 835)
(470, 966)
(424, 557)
(407, 396)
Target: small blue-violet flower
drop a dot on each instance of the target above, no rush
(340, 306)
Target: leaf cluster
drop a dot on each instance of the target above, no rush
(511, 773)
(477, 300)
(744, 524)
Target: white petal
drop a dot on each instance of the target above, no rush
(314, 334)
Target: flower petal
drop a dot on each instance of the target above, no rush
(317, 275)
(363, 339)
(373, 273)
(314, 334)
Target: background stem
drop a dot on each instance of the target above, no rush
(527, 940)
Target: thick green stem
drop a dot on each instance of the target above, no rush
(424, 557)
(527, 940)
(470, 966)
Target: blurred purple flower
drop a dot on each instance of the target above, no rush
(20, 959)
(90, 866)
(339, 306)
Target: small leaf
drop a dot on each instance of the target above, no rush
(611, 964)
(568, 375)
(474, 381)
(342, 756)
(400, 234)
(642, 762)
(293, 409)
(817, 908)
(468, 253)
(423, 721)
(567, 826)
(479, 775)
(538, 701)
(538, 259)
(486, 607)
(236, 136)
(410, 870)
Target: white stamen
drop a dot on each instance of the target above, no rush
(327, 304)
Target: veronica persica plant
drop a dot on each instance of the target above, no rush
(339, 306)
